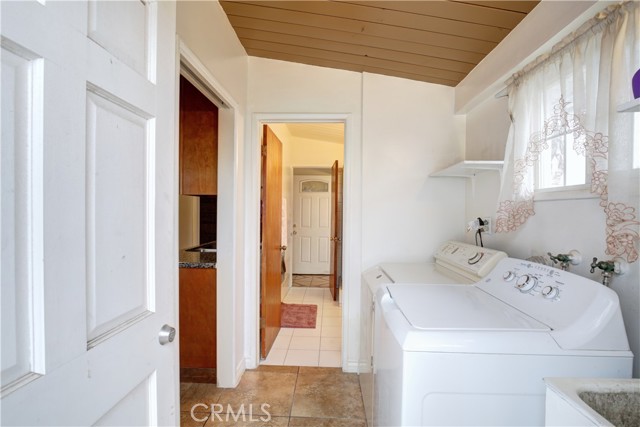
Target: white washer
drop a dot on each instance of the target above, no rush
(455, 262)
(477, 354)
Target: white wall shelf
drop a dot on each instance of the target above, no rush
(470, 168)
(630, 107)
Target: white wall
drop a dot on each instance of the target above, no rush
(204, 29)
(485, 130)
(557, 227)
(409, 131)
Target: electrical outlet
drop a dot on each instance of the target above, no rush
(474, 225)
(486, 228)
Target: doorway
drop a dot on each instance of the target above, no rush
(228, 331)
(308, 239)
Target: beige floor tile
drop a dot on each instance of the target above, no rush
(286, 331)
(330, 359)
(197, 420)
(330, 343)
(259, 387)
(279, 369)
(331, 331)
(302, 357)
(304, 343)
(256, 419)
(308, 332)
(326, 422)
(275, 357)
(332, 321)
(322, 392)
(199, 394)
(331, 311)
(281, 341)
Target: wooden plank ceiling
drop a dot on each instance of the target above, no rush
(435, 41)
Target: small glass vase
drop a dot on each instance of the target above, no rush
(635, 84)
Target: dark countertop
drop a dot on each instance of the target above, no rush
(197, 259)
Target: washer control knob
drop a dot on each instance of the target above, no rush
(509, 276)
(526, 283)
(550, 292)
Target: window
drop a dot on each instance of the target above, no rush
(561, 165)
(561, 170)
(314, 187)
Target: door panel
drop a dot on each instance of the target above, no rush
(117, 237)
(271, 222)
(122, 29)
(94, 117)
(311, 224)
(134, 409)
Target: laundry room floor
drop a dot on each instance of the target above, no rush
(277, 396)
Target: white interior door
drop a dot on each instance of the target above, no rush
(311, 224)
(88, 175)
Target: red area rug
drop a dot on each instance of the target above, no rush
(298, 315)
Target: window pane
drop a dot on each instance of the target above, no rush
(552, 164)
(576, 171)
(314, 187)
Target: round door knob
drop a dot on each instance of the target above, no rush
(550, 292)
(526, 283)
(509, 276)
(167, 334)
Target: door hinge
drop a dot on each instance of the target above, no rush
(372, 361)
(373, 306)
(263, 150)
(263, 322)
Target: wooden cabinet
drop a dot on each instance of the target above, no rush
(198, 142)
(198, 318)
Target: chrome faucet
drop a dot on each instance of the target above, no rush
(609, 268)
(573, 257)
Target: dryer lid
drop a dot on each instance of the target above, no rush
(458, 307)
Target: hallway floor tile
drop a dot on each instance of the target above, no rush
(319, 346)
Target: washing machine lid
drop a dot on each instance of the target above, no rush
(458, 307)
(422, 272)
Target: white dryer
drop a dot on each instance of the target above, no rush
(454, 262)
(477, 354)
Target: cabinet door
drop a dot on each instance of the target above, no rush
(197, 317)
(198, 142)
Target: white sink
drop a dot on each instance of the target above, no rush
(592, 402)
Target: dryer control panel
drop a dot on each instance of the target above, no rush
(471, 261)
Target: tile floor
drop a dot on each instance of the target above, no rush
(310, 280)
(296, 397)
(320, 346)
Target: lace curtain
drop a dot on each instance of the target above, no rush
(570, 96)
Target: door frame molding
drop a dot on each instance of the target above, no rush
(229, 364)
(352, 204)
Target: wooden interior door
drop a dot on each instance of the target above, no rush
(336, 240)
(88, 108)
(271, 234)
